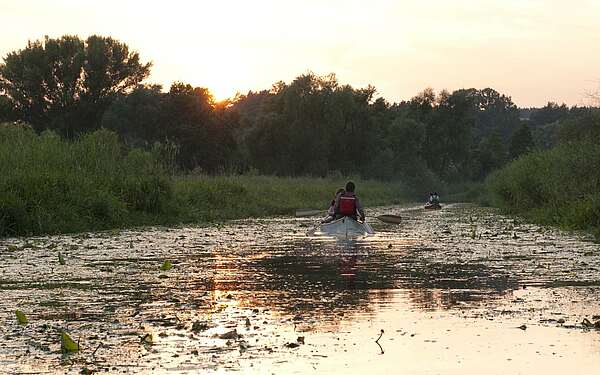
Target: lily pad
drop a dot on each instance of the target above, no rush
(148, 339)
(21, 318)
(167, 265)
(67, 344)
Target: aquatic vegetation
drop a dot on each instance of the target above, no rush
(167, 265)
(21, 318)
(67, 344)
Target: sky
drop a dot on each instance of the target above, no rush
(532, 50)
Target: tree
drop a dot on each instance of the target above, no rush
(448, 135)
(138, 117)
(204, 136)
(582, 128)
(67, 83)
(521, 142)
(550, 113)
(422, 106)
(490, 155)
(494, 113)
(6, 110)
(310, 127)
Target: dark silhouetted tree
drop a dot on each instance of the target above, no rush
(521, 142)
(67, 83)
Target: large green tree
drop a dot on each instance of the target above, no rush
(66, 83)
(521, 142)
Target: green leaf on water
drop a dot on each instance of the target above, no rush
(67, 344)
(21, 317)
(148, 339)
(167, 265)
(13, 248)
(61, 259)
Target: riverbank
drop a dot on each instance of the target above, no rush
(51, 185)
(559, 187)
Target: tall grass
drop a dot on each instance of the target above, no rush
(560, 186)
(224, 197)
(52, 185)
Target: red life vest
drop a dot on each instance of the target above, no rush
(348, 204)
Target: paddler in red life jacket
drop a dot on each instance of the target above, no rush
(347, 204)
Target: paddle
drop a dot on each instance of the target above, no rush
(390, 219)
(308, 212)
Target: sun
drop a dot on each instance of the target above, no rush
(222, 91)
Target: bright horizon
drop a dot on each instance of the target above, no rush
(534, 51)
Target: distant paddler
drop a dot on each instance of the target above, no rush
(433, 202)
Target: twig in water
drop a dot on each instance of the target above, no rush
(381, 334)
(382, 352)
(377, 341)
(94, 353)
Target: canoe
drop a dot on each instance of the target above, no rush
(344, 227)
(434, 206)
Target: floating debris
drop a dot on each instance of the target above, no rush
(231, 335)
(198, 326)
(588, 324)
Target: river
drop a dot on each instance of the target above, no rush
(462, 290)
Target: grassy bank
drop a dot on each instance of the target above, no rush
(204, 198)
(559, 187)
(51, 185)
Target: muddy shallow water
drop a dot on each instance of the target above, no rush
(462, 290)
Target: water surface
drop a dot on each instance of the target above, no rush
(449, 289)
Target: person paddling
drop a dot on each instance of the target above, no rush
(331, 211)
(434, 198)
(348, 204)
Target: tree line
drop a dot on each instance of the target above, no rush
(311, 126)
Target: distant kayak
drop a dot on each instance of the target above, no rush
(433, 206)
(344, 227)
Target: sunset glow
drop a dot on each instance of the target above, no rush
(534, 51)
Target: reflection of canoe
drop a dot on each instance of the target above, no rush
(433, 206)
(345, 227)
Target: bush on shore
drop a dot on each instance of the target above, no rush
(559, 187)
